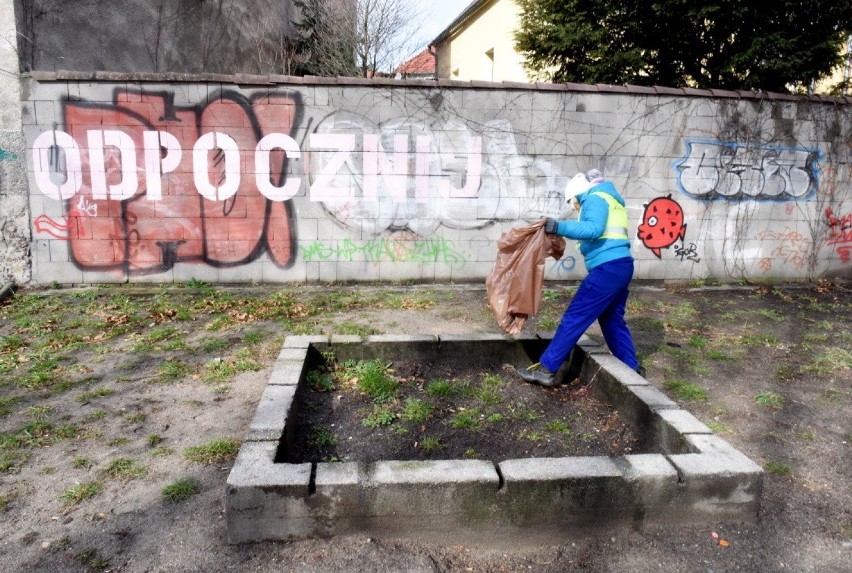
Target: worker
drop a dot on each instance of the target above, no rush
(601, 230)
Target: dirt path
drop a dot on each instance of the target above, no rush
(111, 397)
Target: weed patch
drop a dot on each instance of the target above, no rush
(687, 391)
(82, 492)
(769, 399)
(93, 394)
(124, 469)
(213, 452)
(179, 491)
(777, 468)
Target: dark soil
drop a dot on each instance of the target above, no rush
(455, 410)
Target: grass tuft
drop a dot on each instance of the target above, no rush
(124, 469)
(380, 416)
(213, 452)
(372, 377)
(777, 468)
(440, 388)
(769, 399)
(181, 490)
(415, 411)
(687, 391)
(80, 493)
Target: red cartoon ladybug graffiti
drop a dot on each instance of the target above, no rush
(662, 224)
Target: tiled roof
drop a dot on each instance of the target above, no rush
(421, 64)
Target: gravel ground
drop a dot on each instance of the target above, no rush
(110, 395)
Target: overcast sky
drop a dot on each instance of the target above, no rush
(437, 15)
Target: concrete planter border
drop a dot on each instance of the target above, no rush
(694, 476)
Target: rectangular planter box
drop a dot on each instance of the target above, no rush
(693, 475)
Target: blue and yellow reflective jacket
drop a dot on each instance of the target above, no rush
(601, 227)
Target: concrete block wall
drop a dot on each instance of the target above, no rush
(14, 193)
(161, 178)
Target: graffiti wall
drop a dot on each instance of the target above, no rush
(138, 181)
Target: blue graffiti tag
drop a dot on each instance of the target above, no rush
(714, 170)
(564, 265)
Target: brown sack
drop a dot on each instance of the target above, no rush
(515, 283)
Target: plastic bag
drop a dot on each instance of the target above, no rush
(515, 283)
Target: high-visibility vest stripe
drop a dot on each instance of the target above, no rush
(615, 233)
(616, 222)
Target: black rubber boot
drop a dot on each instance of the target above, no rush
(538, 374)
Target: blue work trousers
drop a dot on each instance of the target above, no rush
(601, 296)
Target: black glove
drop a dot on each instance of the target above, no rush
(550, 226)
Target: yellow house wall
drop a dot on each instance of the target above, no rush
(491, 29)
(840, 73)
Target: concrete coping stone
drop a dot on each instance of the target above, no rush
(270, 418)
(433, 472)
(430, 472)
(475, 337)
(588, 342)
(653, 398)
(639, 467)
(714, 456)
(684, 422)
(385, 338)
(617, 369)
(714, 465)
(254, 467)
(287, 372)
(287, 354)
(304, 340)
(713, 444)
(520, 336)
(550, 469)
(282, 80)
(346, 339)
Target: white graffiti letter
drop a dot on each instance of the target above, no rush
(98, 141)
(699, 172)
(46, 162)
(97, 168)
(261, 162)
(156, 164)
(325, 188)
(799, 180)
(230, 174)
(474, 173)
(421, 169)
(394, 173)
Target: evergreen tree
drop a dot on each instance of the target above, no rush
(325, 38)
(724, 44)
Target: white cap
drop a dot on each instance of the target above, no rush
(577, 185)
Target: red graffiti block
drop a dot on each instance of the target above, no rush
(135, 233)
(145, 253)
(103, 251)
(279, 237)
